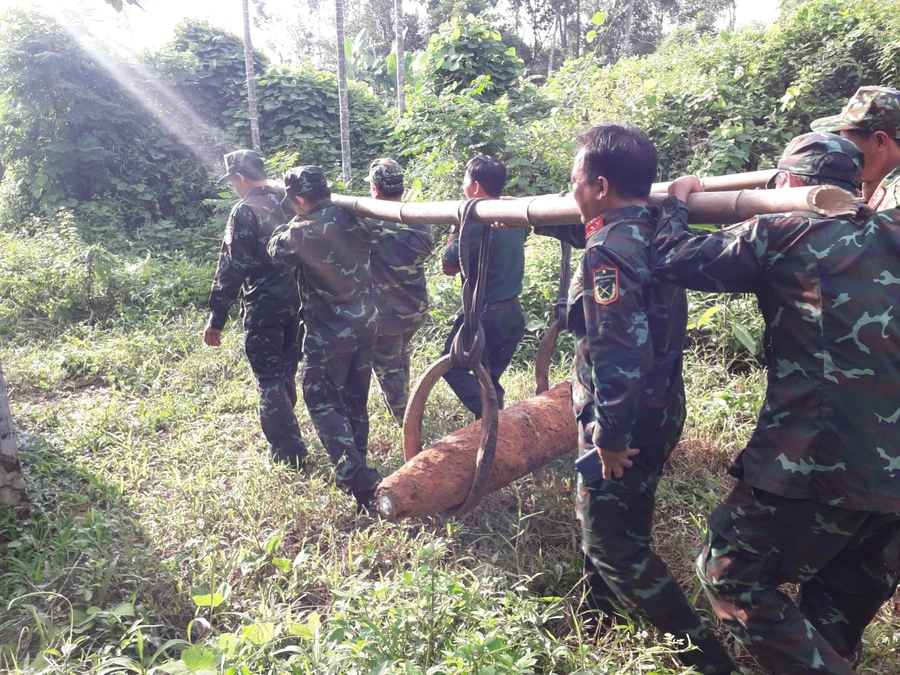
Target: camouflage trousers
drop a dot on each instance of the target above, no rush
(274, 352)
(503, 330)
(622, 570)
(390, 362)
(845, 562)
(336, 392)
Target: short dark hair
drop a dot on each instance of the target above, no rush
(623, 155)
(317, 195)
(866, 135)
(489, 172)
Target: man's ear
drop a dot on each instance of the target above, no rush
(602, 187)
(881, 139)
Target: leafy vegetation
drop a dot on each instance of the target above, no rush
(161, 539)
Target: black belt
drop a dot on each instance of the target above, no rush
(503, 304)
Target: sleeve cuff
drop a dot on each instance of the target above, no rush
(611, 441)
(451, 254)
(217, 320)
(670, 206)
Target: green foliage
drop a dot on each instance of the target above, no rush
(73, 136)
(52, 280)
(206, 67)
(468, 49)
(298, 113)
(729, 103)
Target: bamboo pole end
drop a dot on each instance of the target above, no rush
(832, 201)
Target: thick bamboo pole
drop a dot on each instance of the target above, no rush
(706, 207)
(750, 180)
(530, 434)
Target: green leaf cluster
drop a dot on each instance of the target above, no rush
(468, 49)
(72, 135)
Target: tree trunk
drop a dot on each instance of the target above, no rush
(342, 91)
(251, 80)
(401, 56)
(577, 28)
(552, 47)
(564, 29)
(12, 484)
(628, 16)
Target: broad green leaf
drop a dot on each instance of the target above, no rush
(599, 18)
(208, 600)
(198, 658)
(705, 317)
(258, 633)
(591, 34)
(123, 609)
(745, 338)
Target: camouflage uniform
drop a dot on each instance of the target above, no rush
(871, 109)
(627, 391)
(817, 502)
(330, 249)
(270, 307)
(401, 293)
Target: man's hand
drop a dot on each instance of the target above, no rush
(615, 463)
(684, 186)
(504, 226)
(213, 337)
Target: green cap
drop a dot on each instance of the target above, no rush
(245, 162)
(821, 155)
(302, 180)
(870, 109)
(386, 175)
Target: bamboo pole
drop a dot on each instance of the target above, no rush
(705, 207)
(750, 180)
(530, 434)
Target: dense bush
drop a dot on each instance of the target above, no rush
(73, 135)
(731, 102)
(467, 49)
(53, 279)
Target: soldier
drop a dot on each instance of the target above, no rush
(627, 389)
(398, 281)
(871, 119)
(270, 304)
(502, 320)
(330, 249)
(817, 501)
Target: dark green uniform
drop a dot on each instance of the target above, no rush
(502, 320)
(818, 495)
(398, 261)
(627, 392)
(330, 249)
(270, 307)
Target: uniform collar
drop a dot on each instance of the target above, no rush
(260, 190)
(614, 216)
(321, 206)
(879, 194)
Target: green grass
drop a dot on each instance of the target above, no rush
(162, 539)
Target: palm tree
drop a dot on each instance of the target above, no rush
(12, 484)
(342, 91)
(251, 79)
(401, 56)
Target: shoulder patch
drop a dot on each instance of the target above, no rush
(229, 232)
(877, 197)
(606, 284)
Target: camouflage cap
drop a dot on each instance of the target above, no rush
(386, 175)
(821, 155)
(302, 180)
(870, 109)
(245, 162)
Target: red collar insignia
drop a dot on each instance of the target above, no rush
(593, 227)
(876, 198)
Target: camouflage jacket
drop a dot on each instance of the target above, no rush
(398, 274)
(269, 291)
(330, 249)
(887, 195)
(629, 332)
(828, 430)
